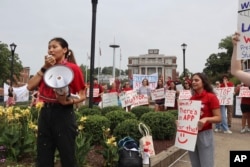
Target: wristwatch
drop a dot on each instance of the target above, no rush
(43, 70)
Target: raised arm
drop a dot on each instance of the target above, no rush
(236, 68)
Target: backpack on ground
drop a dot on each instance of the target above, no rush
(129, 153)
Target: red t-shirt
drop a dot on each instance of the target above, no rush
(229, 84)
(127, 89)
(47, 94)
(209, 102)
(99, 98)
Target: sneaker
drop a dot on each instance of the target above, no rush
(243, 130)
(216, 130)
(248, 129)
(228, 132)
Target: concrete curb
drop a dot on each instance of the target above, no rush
(166, 158)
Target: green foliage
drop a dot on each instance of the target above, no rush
(107, 109)
(110, 149)
(128, 127)
(5, 64)
(16, 134)
(174, 113)
(118, 116)
(93, 127)
(140, 110)
(89, 111)
(83, 146)
(162, 124)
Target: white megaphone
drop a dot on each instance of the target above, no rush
(59, 77)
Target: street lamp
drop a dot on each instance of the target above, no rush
(184, 46)
(92, 54)
(114, 46)
(12, 48)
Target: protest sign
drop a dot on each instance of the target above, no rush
(170, 98)
(158, 94)
(95, 92)
(127, 97)
(187, 130)
(244, 92)
(243, 26)
(109, 99)
(185, 94)
(225, 95)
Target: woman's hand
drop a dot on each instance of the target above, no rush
(235, 38)
(49, 61)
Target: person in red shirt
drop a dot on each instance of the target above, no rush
(96, 100)
(57, 127)
(203, 154)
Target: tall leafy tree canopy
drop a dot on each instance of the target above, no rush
(5, 64)
(219, 63)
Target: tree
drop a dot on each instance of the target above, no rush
(5, 65)
(219, 63)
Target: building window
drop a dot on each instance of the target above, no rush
(151, 71)
(135, 61)
(143, 71)
(135, 71)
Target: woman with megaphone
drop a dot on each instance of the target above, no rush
(56, 123)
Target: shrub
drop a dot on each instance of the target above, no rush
(94, 125)
(140, 110)
(89, 111)
(107, 109)
(118, 116)
(162, 124)
(174, 112)
(128, 127)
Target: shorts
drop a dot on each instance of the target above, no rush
(245, 108)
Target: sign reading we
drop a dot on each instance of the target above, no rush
(243, 26)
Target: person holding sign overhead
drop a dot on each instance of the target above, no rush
(236, 69)
(203, 154)
(243, 76)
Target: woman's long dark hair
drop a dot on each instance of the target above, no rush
(206, 83)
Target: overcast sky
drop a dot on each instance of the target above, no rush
(135, 25)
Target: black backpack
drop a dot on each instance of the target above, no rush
(129, 153)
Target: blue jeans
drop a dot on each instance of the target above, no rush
(223, 123)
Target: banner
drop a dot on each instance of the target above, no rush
(244, 92)
(22, 93)
(138, 78)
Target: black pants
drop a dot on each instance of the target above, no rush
(56, 130)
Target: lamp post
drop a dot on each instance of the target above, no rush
(184, 46)
(12, 48)
(114, 46)
(92, 54)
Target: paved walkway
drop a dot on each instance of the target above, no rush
(224, 143)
